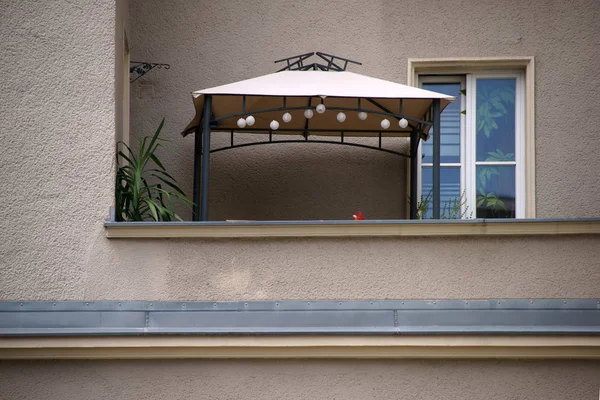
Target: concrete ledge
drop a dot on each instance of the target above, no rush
(477, 227)
(363, 347)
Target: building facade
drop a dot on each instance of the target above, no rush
(523, 294)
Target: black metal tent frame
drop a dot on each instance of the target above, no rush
(203, 131)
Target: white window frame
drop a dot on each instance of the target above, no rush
(477, 67)
(472, 163)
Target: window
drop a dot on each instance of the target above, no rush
(484, 146)
(452, 152)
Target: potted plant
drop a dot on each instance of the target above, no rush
(144, 190)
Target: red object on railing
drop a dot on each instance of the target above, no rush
(359, 216)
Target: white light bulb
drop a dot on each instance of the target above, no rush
(274, 125)
(341, 117)
(385, 124)
(241, 123)
(321, 108)
(403, 123)
(308, 113)
(250, 120)
(362, 115)
(287, 117)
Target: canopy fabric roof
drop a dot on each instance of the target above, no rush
(302, 89)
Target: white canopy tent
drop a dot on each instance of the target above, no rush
(306, 89)
(366, 103)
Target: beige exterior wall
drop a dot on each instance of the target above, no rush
(318, 268)
(58, 156)
(57, 141)
(193, 379)
(60, 116)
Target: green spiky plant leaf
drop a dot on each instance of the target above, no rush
(454, 208)
(498, 155)
(136, 198)
(492, 105)
(489, 200)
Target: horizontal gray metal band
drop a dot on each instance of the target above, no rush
(382, 317)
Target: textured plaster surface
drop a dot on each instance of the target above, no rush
(213, 43)
(326, 268)
(57, 153)
(57, 138)
(350, 379)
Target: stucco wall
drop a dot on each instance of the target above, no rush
(192, 379)
(57, 156)
(320, 268)
(57, 140)
(213, 43)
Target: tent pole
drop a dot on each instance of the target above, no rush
(205, 158)
(436, 159)
(414, 146)
(196, 184)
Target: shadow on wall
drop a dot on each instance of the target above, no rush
(293, 181)
(306, 182)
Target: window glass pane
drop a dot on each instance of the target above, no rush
(449, 127)
(495, 191)
(450, 191)
(495, 117)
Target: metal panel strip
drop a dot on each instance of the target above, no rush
(375, 317)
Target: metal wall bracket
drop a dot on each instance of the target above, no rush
(137, 69)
